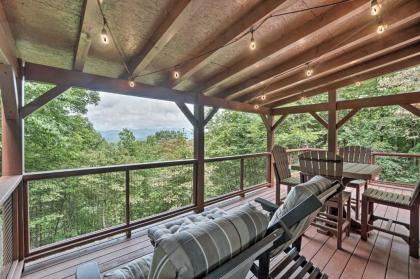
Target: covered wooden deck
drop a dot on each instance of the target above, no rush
(382, 256)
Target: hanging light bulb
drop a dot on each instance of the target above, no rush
(309, 72)
(374, 7)
(358, 83)
(131, 82)
(176, 75)
(256, 106)
(263, 97)
(104, 36)
(381, 27)
(252, 44)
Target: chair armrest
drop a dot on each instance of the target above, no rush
(266, 205)
(89, 270)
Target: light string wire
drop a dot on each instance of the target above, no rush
(123, 57)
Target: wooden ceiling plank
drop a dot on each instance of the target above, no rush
(401, 99)
(402, 54)
(87, 23)
(41, 73)
(335, 15)
(9, 92)
(230, 33)
(396, 20)
(42, 100)
(412, 109)
(7, 42)
(392, 42)
(176, 17)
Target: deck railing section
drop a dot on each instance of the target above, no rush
(69, 208)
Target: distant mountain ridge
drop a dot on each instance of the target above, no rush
(141, 134)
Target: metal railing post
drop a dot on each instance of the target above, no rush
(127, 201)
(241, 177)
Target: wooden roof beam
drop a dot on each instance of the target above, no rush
(7, 43)
(275, 99)
(87, 23)
(402, 99)
(396, 20)
(238, 27)
(335, 15)
(177, 16)
(71, 78)
(392, 42)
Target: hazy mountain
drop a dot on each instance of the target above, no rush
(142, 134)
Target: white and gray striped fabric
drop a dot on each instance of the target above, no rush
(137, 269)
(196, 251)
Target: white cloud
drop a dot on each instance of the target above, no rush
(115, 112)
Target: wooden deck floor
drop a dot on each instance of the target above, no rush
(382, 256)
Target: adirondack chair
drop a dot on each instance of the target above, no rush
(286, 227)
(335, 221)
(356, 154)
(411, 203)
(282, 171)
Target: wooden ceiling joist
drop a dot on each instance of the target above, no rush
(7, 43)
(366, 31)
(376, 72)
(357, 104)
(87, 23)
(63, 77)
(238, 27)
(275, 100)
(177, 16)
(392, 42)
(336, 15)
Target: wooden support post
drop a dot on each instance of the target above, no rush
(332, 121)
(199, 156)
(270, 144)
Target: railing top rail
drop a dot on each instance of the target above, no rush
(7, 185)
(304, 149)
(236, 157)
(396, 154)
(105, 169)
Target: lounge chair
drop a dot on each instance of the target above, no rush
(227, 247)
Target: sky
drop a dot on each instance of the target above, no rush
(115, 112)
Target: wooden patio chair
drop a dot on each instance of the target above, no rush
(411, 203)
(282, 171)
(329, 165)
(356, 154)
(278, 236)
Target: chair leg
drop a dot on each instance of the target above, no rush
(340, 220)
(357, 201)
(278, 192)
(348, 216)
(289, 188)
(298, 243)
(414, 231)
(364, 221)
(264, 266)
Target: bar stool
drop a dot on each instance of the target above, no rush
(356, 184)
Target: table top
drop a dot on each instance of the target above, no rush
(355, 170)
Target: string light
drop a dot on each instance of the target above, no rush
(176, 75)
(263, 97)
(131, 82)
(381, 27)
(358, 83)
(309, 71)
(374, 7)
(104, 36)
(252, 44)
(256, 106)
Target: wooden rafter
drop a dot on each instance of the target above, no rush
(42, 100)
(241, 25)
(177, 16)
(9, 92)
(7, 42)
(319, 119)
(396, 20)
(87, 24)
(336, 15)
(210, 115)
(397, 99)
(385, 69)
(382, 46)
(41, 73)
(347, 118)
(411, 109)
(188, 114)
(412, 51)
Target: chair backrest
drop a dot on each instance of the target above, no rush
(322, 163)
(281, 162)
(415, 196)
(355, 154)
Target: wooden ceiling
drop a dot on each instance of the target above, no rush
(339, 43)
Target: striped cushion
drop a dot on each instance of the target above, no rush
(137, 269)
(196, 251)
(157, 233)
